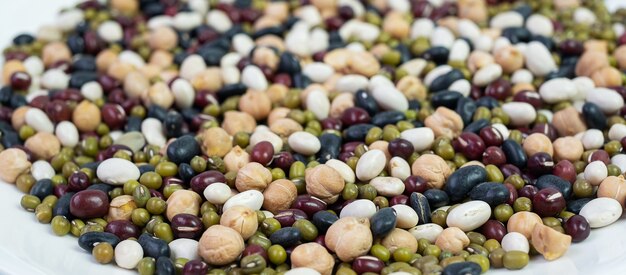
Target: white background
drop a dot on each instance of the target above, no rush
(27, 247)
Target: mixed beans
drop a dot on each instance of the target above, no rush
(319, 136)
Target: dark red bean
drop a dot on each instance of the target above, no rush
(529, 97)
(113, 115)
(309, 204)
(253, 249)
(528, 191)
(320, 240)
(499, 89)
(546, 129)
(187, 226)
(365, 264)
(62, 65)
(21, 56)
(509, 169)
(195, 267)
(111, 150)
(204, 98)
(400, 148)
(349, 147)
(289, 216)
(108, 83)
(512, 193)
(548, 202)
(5, 113)
(116, 96)
(331, 123)
(540, 164)
(283, 160)
(600, 155)
(123, 229)
(491, 136)
(354, 115)
(78, 181)
(577, 227)
(282, 78)
(61, 190)
(88, 204)
(494, 155)
(20, 81)
(470, 145)
(415, 184)
(58, 111)
(493, 229)
(156, 194)
(399, 199)
(571, 47)
(204, 179)
(68, 95)
(346, 12)
(263, 152)
(319, 56)
(565, 170)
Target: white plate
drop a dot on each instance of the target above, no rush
(27, 247)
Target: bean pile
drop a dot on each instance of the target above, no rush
(319, 136)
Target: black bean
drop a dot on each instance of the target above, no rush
(493, 193)
(212, 55)
(594, 117)
(275, 30)
(357, 132)
(488, 102)
(575, 206)
(525, 10)
(552, 181)
(514, 153)
(133, 124)
(62, 207)
(42, 188)
(438, 54)
(300, 80)
(183, 149)
(173, 125)
(231, 90)
(91, 165)
(331, 147)
(10, 139)
(414, 105)
(78, 79)
(23, 39)
(389, 117)
(463, 180)
(288, 64)
(153, 247)
(444, 81)
(383, 222)
(462, 268)
(185, 172)
(517, 34)
(466, 107)
(287, 237)
(85, 63)
(421, 206)
(88, 240)
(366, 101)
(17, 100)
(156, 111)
(546, 41)
(323, 220)
(476, 126)
(436, 198)
(5, 95)
(165, 266)
(448, 99)
(146, 168)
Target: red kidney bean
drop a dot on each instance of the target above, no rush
(111, 150)
(204, 179)
(116, 96)
(513, 195)
(58, 111)
(548, 202)
(491, 136)
(399, 199)
(349, 147)
(321, 241)
(331, 123)
(540, 164)
(600, 155)
(263, 152)
(287, 217)
(253, 249)
(571, 47)
(494, 155)
(510, 169)
(107, 82)
(61, 190)
(309, 204)
(493, 229)
(354, 115)
(529, 97)
(499, 89)
(565, 170)
(546, 129)
(400, 148)
(283, 161)
(68, 95)
(187, 226)
(528, 191)
(415, 184)
(195, 267)
(39, 102)
(333, 23)
(319, 56)
(204, 98)
(123, 229)
(470, 145)
(5, 113)
(577, 227)
(78, 181)
(156, 194)
(113, 115)
(88, 204)
(365, 264)
(20, 81)
(282, 78)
